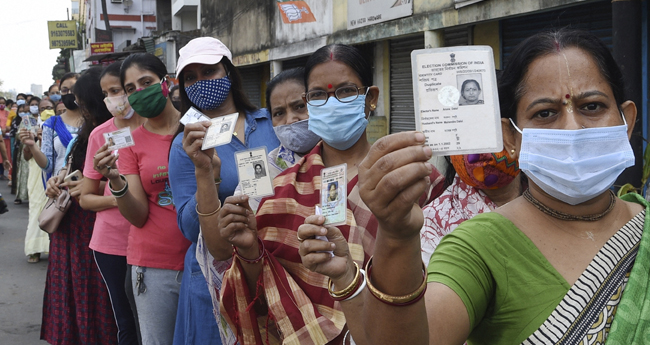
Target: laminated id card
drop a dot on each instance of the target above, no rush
(192, 115)
(456, 100)
(334, 194)
(253, 171)
(119, 139)
(220, 132)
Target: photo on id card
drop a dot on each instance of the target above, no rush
(119, 139)
(253, 171)
(334, 194)
(220, 132)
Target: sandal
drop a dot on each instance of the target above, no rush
(34, 258)
(18, 202)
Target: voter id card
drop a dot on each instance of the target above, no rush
(220, 132)
(253, 171)
(119, 139)
(334, 194)
(192, 115)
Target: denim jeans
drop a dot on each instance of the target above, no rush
(156, 297)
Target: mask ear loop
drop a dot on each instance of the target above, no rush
(623, 116)
(517, 128)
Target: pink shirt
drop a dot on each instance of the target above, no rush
(111, 232)
(159, 243)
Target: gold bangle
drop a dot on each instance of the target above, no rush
(396, 300)
(348, 289)
(207, 214)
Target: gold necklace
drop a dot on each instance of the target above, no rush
(565, 216)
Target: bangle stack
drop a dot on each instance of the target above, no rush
(397, 301)
(352, 290)
(217, 181)
(122, 192)
(254, 261)
(207, 214)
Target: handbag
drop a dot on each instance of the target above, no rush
(55, 208)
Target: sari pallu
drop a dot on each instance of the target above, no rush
(298, 302)
(609, 303)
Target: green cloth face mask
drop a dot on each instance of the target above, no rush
(150, 101)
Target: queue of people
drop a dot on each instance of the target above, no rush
(161, 246)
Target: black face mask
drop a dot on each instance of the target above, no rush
(177, 105)
(69, 101)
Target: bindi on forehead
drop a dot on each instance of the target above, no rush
(330, 86)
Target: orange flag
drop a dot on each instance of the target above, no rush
(295, 12)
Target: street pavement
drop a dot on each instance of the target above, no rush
(21, 283)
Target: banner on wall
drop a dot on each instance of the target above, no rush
(62, 34)
(99, 48)
(368, 12)
(293, 12)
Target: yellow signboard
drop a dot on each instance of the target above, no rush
(62, 34)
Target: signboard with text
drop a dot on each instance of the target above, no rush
(368, 12)
(101, 48)
(62, 34)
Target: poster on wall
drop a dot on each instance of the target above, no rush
(368, 12)
(294, 12)
(456, 100)
(62, 34)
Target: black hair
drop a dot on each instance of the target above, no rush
(46, 100)
(239, 97)
(9, 103)
(145, 61)
(462, 87)
(112, 69)
(91, 104)
(545, 43)
(69, 75)
(21, 94)
(22, 106)
(34, 98)
(49, 89)
(2, 98)
(346, 54)
(174, 89)
(294, 74)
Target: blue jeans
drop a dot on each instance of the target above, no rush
(156, 297)
(113, 270)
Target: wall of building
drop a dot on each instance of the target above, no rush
(127, 22)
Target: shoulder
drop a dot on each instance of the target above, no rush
(485, 231)
(259, 114)
(178, 140)
(101, 129)
(50, 122)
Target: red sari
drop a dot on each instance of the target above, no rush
(299, 306)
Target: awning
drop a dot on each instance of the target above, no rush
(109, 56)
(462, 3)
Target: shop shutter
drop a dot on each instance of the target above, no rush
(457, 36)
(402, 110)
(595, 17)
(293, 63)
(252, 83)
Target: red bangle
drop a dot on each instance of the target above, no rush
(397, 301)
(256, 260)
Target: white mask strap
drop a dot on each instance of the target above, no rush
(517, 128)
(623, 116)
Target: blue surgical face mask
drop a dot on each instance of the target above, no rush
(55, 98)
(575, 166)
(209, 94)
(296, 136)
(339, 124)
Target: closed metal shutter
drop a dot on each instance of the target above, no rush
(402, 110)
(595, 17)
(457, 36)
(293, 63)
(252, 83)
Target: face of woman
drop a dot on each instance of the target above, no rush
(332, 191)
(45, 105)
(567, 91)
(331, 75)
(54, 90)
(195, 72)
(258, 169)
(60, 109)
(471, 92)
(67, 85)
(287, 105)
(33, 102)
(137, 78)
(111, 86)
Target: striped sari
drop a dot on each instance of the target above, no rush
(300, 310)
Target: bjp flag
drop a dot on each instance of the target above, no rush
(295, 12)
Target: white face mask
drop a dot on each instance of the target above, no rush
(296, 136)
(575, 166)
(33, 109)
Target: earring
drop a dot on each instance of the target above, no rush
(373, 107)
(512, 152)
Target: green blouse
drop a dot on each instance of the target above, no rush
(506, 284)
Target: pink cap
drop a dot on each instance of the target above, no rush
(203, 50)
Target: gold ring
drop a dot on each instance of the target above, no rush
(299, 239)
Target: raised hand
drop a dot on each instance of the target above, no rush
(193, 140)
(26, 137)
(238, 226)
(315, 257)
(104, 163)
(392, 177)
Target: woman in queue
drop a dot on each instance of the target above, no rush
(140, 185)
(551, 266)
(210, 83)
(111, 231)
(288, 303)
(76, 306)
(289, 114)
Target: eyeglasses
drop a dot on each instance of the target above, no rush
(344, 94)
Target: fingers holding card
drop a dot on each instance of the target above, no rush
(119, 139)
(252, 168)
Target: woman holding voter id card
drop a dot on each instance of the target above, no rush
(111, 231)
(268, 294)
(210, 87)
(565, 263)
(140, 185)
